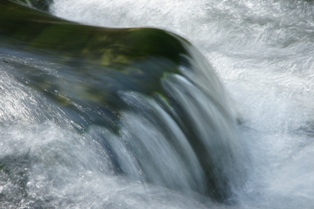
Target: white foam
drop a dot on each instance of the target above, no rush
(263, 53)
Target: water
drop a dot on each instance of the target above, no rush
(262, 53)
(49, 161)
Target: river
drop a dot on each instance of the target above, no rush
(262, 54)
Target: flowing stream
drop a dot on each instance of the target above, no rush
(262, 52)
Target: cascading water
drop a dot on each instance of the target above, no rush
(262, 51)
(45, 162)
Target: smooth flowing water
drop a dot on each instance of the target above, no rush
(262, 53)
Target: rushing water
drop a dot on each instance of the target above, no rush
(262, 52)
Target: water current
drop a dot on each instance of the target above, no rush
(262, 52)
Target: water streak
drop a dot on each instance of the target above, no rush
(263, 53)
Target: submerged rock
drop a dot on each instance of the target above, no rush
(109, 60)
(93, 65)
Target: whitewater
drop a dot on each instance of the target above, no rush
(262, 53)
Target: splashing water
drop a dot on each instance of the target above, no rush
(263, 53)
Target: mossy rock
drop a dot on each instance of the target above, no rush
(92, 66)
(110, 60)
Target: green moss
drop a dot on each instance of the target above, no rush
(108, 60)
(41, 32)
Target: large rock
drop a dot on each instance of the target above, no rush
(93, 65)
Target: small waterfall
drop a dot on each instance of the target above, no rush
(185, 140)
(188, 142)
(86, 124)
(262, 50)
